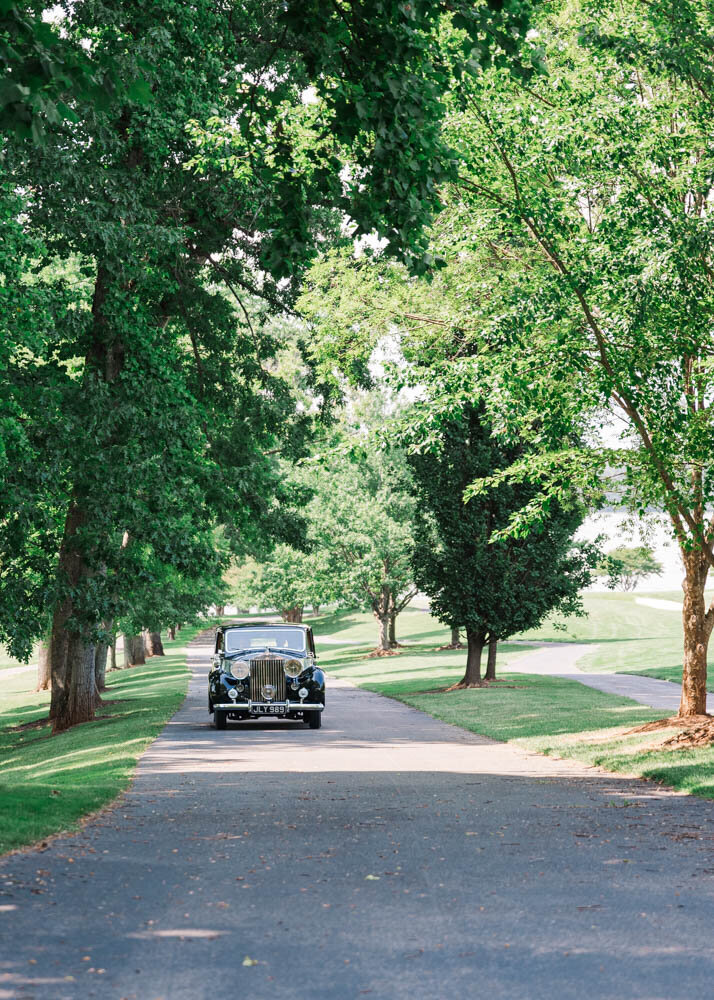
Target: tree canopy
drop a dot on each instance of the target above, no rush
(140, 408)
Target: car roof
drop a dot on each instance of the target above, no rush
(258, 624)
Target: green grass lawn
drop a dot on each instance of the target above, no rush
(545, 714)
(47, 783)
(7, 661)
(626, 637)
(630, 638)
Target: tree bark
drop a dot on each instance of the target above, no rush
(697, 631)
(100, 666)
(113, 652)
(491, 662)
(383, 632)
(172, 632)
(157, 646)
(292, 615)
(44, 669)
(71, 654)
(393, 632)
(78, 701)
(456, 638)
(133, 650)
(474, 646)
(220, 610)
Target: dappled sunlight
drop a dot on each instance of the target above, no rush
(80, 758)
(418, 747)
(180, 933)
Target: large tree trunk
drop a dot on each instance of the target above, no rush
(100, 666)
(474, 646)
(113, 654)
(71, 654)
(491, 662)
(172, 631)
(44, 669)
(133, 650)
(157, 645)
(697, 630)
(292, 615)
(456, 637)
(77, 698)
(220, 610)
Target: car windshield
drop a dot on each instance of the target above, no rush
(264, 635)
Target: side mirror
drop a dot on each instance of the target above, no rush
(216, 660)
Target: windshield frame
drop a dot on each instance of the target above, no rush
(269, 632)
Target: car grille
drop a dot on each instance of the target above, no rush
(267, 671)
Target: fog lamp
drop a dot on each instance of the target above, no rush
(303, 692)
(233, 694)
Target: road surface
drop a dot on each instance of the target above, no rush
(385, 856)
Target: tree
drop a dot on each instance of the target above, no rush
(287, 580)
(361, 514)
(493, 587)
(592, 284)
(577, 292)
(142, 409)
(624, 567)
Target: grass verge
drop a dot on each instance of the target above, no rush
(548, 715)
(48, 783)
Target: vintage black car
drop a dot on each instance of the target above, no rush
(265, 668)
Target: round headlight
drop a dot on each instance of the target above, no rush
(292, 668)
(240, 669)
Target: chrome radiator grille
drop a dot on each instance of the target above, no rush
(267, 671)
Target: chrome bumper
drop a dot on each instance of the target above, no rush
(258, 706)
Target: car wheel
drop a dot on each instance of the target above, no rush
(220, 718)
(315, 720)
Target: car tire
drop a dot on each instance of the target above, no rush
(220, 718)
(315, 720)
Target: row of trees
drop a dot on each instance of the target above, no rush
(387, 519)
(168, 171)
(576, 296)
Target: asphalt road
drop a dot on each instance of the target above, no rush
(385, 856)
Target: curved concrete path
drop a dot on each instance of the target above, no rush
(561, 659)
(387, 856)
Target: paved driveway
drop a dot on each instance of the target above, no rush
(385, 856)
(560, 659)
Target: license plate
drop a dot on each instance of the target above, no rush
(274, 710)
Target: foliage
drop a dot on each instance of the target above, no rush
(42, 70)
(577, 292)
(624, 567)
(361, 515)
(492, 588)
(287, 580)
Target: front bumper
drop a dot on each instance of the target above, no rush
(267, 707)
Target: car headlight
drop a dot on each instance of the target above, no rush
(240, 669)
(293, 668)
